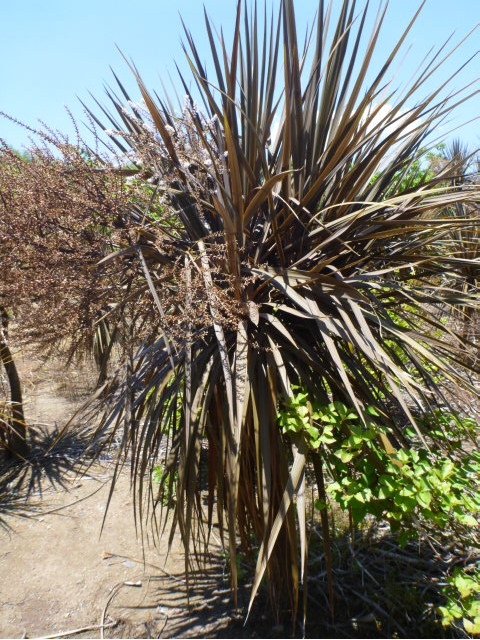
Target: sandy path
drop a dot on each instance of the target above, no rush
(59, 574)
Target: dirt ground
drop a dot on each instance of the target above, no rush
(61, 572)
(64, 576)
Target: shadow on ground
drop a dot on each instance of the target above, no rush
(54, 452)
(380, 589)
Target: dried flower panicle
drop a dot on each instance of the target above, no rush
(74, 225)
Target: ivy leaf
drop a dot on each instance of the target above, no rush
(473, 609)
(472, 628)
(446, 469)
(359, 511)
(344, 455)
(424, 498)
(466, 519)
(464, 584)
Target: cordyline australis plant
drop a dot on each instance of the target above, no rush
(465, 239)
(281, 248)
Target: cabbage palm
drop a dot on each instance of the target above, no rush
(460, 168)
(281, 248)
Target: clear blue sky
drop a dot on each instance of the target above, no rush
(54, 52)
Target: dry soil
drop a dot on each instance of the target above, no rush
(62, 571)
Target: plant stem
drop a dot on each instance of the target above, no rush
(16, 436)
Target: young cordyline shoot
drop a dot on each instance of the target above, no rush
(306, 259)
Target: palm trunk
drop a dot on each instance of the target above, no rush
(16, 435)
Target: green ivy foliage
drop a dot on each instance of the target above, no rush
(409, 485)
(410, 488)
(462, 601)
